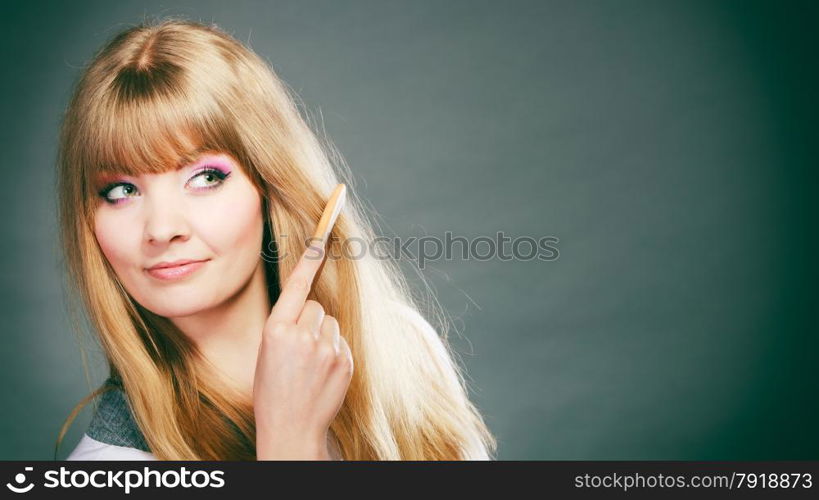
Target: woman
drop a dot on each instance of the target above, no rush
(180, 143)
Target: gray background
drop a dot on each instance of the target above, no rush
(668, 145)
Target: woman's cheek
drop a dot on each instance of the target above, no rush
(233, 223)
(115, 241)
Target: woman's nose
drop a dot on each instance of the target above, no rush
(165, 220)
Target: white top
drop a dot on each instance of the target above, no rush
(91, 449)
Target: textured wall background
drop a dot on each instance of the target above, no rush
(668, 145)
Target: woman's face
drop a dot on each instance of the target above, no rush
(207, 211)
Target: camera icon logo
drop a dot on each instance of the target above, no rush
(20, 478)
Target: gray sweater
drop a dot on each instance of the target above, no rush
(113, 422)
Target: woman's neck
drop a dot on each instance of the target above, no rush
(228, 336)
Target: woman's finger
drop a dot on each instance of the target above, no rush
(290, 303)
(297, 287)
(330, 332)
(311, 317)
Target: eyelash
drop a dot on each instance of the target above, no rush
(210, 170)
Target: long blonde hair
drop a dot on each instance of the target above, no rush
(155, 96)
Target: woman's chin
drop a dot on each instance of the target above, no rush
(181, 308)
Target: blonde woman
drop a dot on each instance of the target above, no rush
(188, 185)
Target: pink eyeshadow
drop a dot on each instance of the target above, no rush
(213, 161)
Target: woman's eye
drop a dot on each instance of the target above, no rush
(116, 192)
(209, 178)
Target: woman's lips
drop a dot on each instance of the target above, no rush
(176, 272)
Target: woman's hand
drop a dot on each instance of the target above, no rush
(302, 372)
